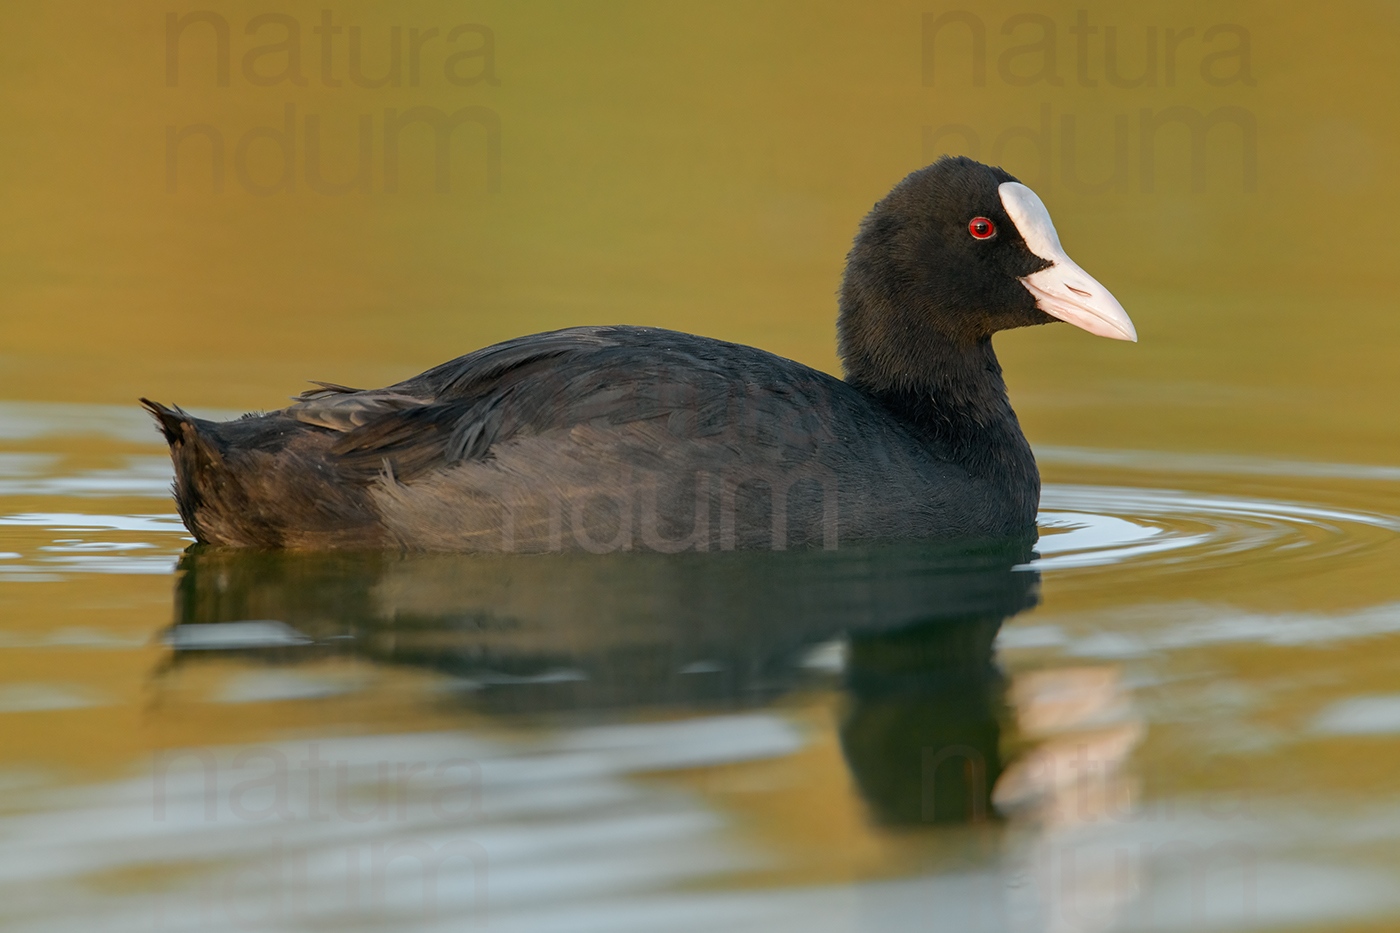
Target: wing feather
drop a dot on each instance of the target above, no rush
(558, 381)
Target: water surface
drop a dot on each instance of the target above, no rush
(1147, 722)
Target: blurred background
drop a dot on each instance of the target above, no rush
(211, 204)
(1220, 166)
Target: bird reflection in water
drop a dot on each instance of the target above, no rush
(907, 633)
(562, 633)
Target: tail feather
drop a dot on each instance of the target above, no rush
(196, 456)
(262, 481)
(169, 420)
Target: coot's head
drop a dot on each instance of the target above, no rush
(956, 252)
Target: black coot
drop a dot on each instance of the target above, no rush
(610, 438)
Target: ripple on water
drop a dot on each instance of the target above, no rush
(92, 543)
(1092, 526)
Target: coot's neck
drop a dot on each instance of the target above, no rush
(956, 403)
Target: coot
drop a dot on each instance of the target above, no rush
(615, 438)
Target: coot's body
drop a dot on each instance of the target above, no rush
(604, 438)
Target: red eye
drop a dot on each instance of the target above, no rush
(981, 228)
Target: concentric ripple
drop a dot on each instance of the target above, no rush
(1090, 526)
